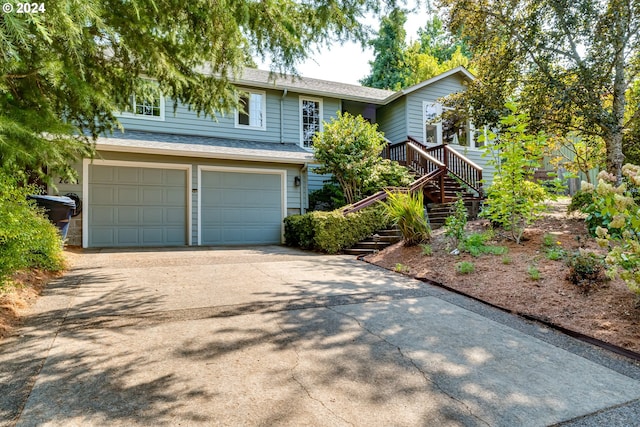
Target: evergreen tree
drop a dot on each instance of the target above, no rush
(388, 68)
(65, 70)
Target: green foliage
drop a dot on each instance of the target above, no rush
(618, 212)
(465, 267)
(331, 232)
(506, 260)
(387, 69)
(406, 211)
(401, 268)
(454, 224)
(427, 250)
(397, 66)
(328, 198)
(580, 201)
(586, 269)
(27, 238)
(548, 240)
(533, 272)
(386, 173)
(349, 148)
(475, 244)
(570, 64)
(65, 71)
(555, 254)
(513, 201)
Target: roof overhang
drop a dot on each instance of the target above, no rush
(123, 145)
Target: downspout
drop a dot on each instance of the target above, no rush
(284, 94)
(303, 185)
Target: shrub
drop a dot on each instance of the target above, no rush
(454, 224)
(586, 269)
(328, 198)
(506, 260)
(465, 267)
(406, 211)
(331, 232)
(401, 268)
(27, 238)
(555, 254)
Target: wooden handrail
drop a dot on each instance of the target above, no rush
(463, 169)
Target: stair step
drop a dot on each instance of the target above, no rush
(355, 251)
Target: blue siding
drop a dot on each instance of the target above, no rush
(431, 93)
(392, 120)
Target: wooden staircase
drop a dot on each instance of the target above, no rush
(442, 174)
(376, 242)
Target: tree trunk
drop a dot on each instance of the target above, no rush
(613, 140)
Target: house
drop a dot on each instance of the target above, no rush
(176, 179)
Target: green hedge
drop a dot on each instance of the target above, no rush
(331, 232)
(27, 238)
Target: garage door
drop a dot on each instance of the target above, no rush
(240, 208)
(135, 206)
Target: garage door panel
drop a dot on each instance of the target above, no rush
(127, 175)
(174, 196)
(105, 194)
(127, 194)
(103, 215)
(152, 195)
(241, 208)
(139, 207)
(128, 215)
(152, 216)
(127, 236)
(151, 176)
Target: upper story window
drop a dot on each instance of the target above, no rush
(310, 120)
(444, 125)
(252, 112)
(148, 104)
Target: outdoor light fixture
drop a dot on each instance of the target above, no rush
(296, 181)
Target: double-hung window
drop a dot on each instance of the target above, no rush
(146, 104)
(310, 120)
(251, 113)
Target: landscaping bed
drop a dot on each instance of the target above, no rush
(607, 311)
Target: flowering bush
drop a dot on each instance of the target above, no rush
(613, 216)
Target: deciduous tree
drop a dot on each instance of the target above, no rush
(569, 62)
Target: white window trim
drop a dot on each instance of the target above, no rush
(470, 127)
(132, 164)
(320, 111)
(263, 94)
(133, 114)
(438, 124)
(283, 195)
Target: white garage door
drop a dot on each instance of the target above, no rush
(137, 206)
(239, 208)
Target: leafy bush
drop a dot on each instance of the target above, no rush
(328, 198)
(465, 267)
(555, 254)
(579, 201)
(27, 238)
(454, 224)
(406, 211)
(586, 269)
(349, 147)
(331, 232)
(386, 173)
(614, 217)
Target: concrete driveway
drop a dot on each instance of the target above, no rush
(275, 336)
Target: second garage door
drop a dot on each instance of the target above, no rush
(238, 208)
